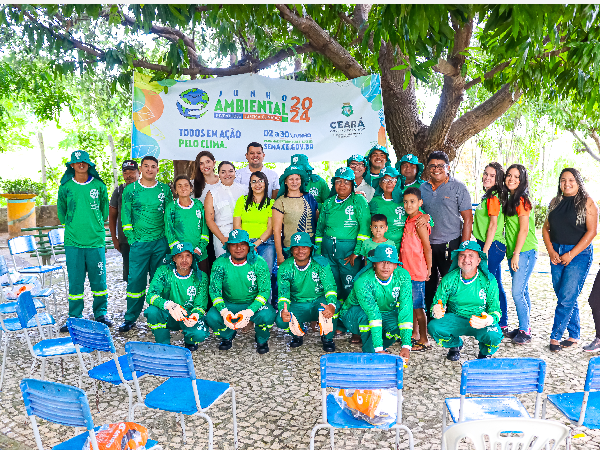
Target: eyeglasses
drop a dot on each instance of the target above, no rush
(257, 181)
(436, 166)
(354, 165)
(389, 180)
(338, 181)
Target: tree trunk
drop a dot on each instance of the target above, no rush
(183, 167)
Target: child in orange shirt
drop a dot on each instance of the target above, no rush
(415, 254)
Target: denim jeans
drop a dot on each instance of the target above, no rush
(520, 287)
(496, 254)
(267, 251)
(568, 282)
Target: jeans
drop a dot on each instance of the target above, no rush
(568, 282)
(520, 287)
(418, 294)
(267, 251)
(496, 254)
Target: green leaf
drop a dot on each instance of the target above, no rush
(400, 67)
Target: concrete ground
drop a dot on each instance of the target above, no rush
(278, 394)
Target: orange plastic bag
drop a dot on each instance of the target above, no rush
(375, 406)
(120, 436)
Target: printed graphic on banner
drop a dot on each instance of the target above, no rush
(325, 121)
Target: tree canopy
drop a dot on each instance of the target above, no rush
(494, 53)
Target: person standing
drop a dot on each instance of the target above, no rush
(130, 175)
(448, 203)
(205, 177)
(255, 156)
(143, 217)
(384, 204)
(568, 231)
(358, 165)
(411, 171)
(185, 221)
(315, 186)
(488, 229)
(377, 158)
(82, 207)
(220, 203)
(521, 247)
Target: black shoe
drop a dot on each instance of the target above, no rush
(126, 326)
(482, 356)
(261, 349)
(453, 354)
(522, 338)
(226, 344)
(328, 345)
(191, 347)
(64, 329)
(510, 334)
(105, 321)
(297, 341)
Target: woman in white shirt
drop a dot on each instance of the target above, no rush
(220, 203)
(204, 177)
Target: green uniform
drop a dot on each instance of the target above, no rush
(511, 227)
(381, 311)
(187, 224)
(143, 219)
(369, 245)
(462, 300)
(319, 189)
(239, 287)
(304, 290)
(394, 212)
(342, 228)
(83, 208)
(481, 222)
(190, 292)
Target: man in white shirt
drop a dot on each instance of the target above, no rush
(255, 156)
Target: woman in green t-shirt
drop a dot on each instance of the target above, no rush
(253, 213)
(488, 228)
(521, 247)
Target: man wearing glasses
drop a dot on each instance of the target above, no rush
(448, 203)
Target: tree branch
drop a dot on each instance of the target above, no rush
(323, 43)
(586, 147)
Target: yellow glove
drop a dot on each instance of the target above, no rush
(485, 320)
(244, 315)
(227, 316)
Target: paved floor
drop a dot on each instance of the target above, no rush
(278, 393)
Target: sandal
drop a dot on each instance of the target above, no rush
(413, 341)
(568, 344)
(555, 347)
(418, 347)
(356, 339)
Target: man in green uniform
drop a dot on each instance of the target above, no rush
(342, 227)
(377, 159)
(143, 218)
(82, 207)
(307, 292)
(466, 304)
(380, 305)
(410, 171)
(240, 285)
(316, 186)
(177, 297)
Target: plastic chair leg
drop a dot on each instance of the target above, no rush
(43, 369)
(313, 433)
(397, 438)
(210, 430)
(4, 352)
(182, 420)
(233, 407)
(410, 436)
(331, 438)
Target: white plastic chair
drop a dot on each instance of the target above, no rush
(526, 430)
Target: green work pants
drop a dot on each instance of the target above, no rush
(93, 262)
(263, 321)
(161, 323)
(448, 330)
(307, 312)
(335, 250)
(357, 322)
(144, 259)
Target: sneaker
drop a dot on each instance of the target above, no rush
(225, 344)
(191, 347)
(593, 346)
(510, 334)
(454, 353)
(261, 349)
(126, 326)
(64, 329)
(297, 341)
(482, 356)
(522, 338)
(105, 321)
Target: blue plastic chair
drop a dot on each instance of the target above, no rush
(96, 336)
(182, 393)
(499, 377)
(358, 371)
(581, 408)
(53, 349)
(9, 307)
(57, 237)
(65, 405)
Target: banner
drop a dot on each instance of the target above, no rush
(325, 121)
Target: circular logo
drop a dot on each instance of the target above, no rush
(389, 252)
(192, 103)
(313, 191)
(94, 193)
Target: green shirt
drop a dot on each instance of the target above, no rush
(511, 229)
(187, 224)
(305, 285)
(319, 190)
(190, 292)
(375, 297)
(246, 283)
(255, 220)
(143, 211)
(369, 245)
(481, 221)
(83, 209)
(394, 212)
(469, 298)
(347, 219)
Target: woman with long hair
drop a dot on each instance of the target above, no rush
(521, 247)
(253, 213)
(568, 232)
(204, 175)
(488, 228)
(219, 205)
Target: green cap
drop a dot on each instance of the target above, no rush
(300, 159)
(79, 156)
(345, 173)
(292, 170)
(389, 171)
(357, 158)
(180, 248)
(236, 237)
(300, 239)
(471, 245)
(385, 252)
(412, 159)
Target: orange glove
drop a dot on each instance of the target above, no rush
(244, 315)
